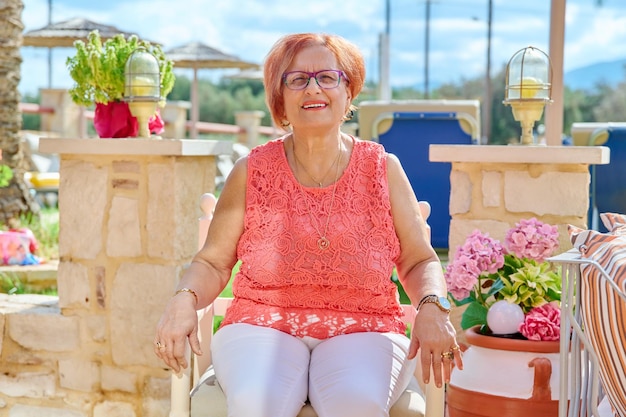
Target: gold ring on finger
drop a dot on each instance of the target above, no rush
(160, 345)
(448, 355)
(454, 348)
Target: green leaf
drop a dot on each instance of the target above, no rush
(462, 302)
(475, 314)
(496, 286)
(554, 295)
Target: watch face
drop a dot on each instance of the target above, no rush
(445, 303)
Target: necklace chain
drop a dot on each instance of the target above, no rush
(322, 242)
(300, 164)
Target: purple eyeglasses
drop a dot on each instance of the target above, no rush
(326, 79)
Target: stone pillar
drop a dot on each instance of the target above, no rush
(250, 122)
(174, 115)
(129, 212)
(68, 118)
(493, 187)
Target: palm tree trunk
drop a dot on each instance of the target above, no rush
(15, 199)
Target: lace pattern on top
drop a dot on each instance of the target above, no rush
(285, 281)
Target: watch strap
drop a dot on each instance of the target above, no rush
(431, 298)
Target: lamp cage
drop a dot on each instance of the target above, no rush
(528, 76)
(142, 77)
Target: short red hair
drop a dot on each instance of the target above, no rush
(348, 56)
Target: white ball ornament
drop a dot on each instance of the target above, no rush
(504, 317)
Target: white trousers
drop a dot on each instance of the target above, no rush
(268, 373)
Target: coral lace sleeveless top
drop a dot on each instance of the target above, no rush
(285, 280)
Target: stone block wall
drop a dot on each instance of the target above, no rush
(128, 225)
(493, 187)
(493, 197)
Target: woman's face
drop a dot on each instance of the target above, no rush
(315, 106)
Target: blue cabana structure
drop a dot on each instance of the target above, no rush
(407, 129)
(608, 182)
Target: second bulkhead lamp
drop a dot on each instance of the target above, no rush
(528, 88)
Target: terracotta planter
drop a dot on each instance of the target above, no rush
(505, 377)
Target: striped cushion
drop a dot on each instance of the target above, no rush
(602, 309)
(614, 223)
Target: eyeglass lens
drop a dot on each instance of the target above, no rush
(298, 80)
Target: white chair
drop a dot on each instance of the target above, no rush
(196, 393)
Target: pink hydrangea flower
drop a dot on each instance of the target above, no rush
(542, 323)
(461, 277)
(532, 239)
(479, 254)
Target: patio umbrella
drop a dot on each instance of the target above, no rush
(197, 55)
(64, 34)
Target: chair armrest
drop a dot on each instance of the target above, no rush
(180, 401)
(435, 400)
(205, 331)
(183, 382)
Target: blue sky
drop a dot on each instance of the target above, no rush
(248, 28)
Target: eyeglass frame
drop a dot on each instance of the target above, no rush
(314, 76)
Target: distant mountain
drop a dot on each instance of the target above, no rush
(583, 78)
(586, 78)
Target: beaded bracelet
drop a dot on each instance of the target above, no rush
(189, 290)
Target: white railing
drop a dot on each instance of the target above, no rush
(579, 373)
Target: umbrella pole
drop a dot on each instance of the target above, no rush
(49, 67)
(49, 49)
(554, 112)
(194, 105)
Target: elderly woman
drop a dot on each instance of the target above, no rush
(318, 220)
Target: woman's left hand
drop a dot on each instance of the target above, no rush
(434, 335)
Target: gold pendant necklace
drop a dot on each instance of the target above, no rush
(322, 243)
(320, 184)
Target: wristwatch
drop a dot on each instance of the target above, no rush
(441, 302)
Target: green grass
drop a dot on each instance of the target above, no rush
(46, 231)
(228, 290)
(10, 283)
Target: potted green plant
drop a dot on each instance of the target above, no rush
(98, 73)
(512, 322)
(486, 274)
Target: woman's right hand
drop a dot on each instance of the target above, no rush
(208, 274)
(177, 327)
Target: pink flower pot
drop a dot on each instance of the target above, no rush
(114, 120)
